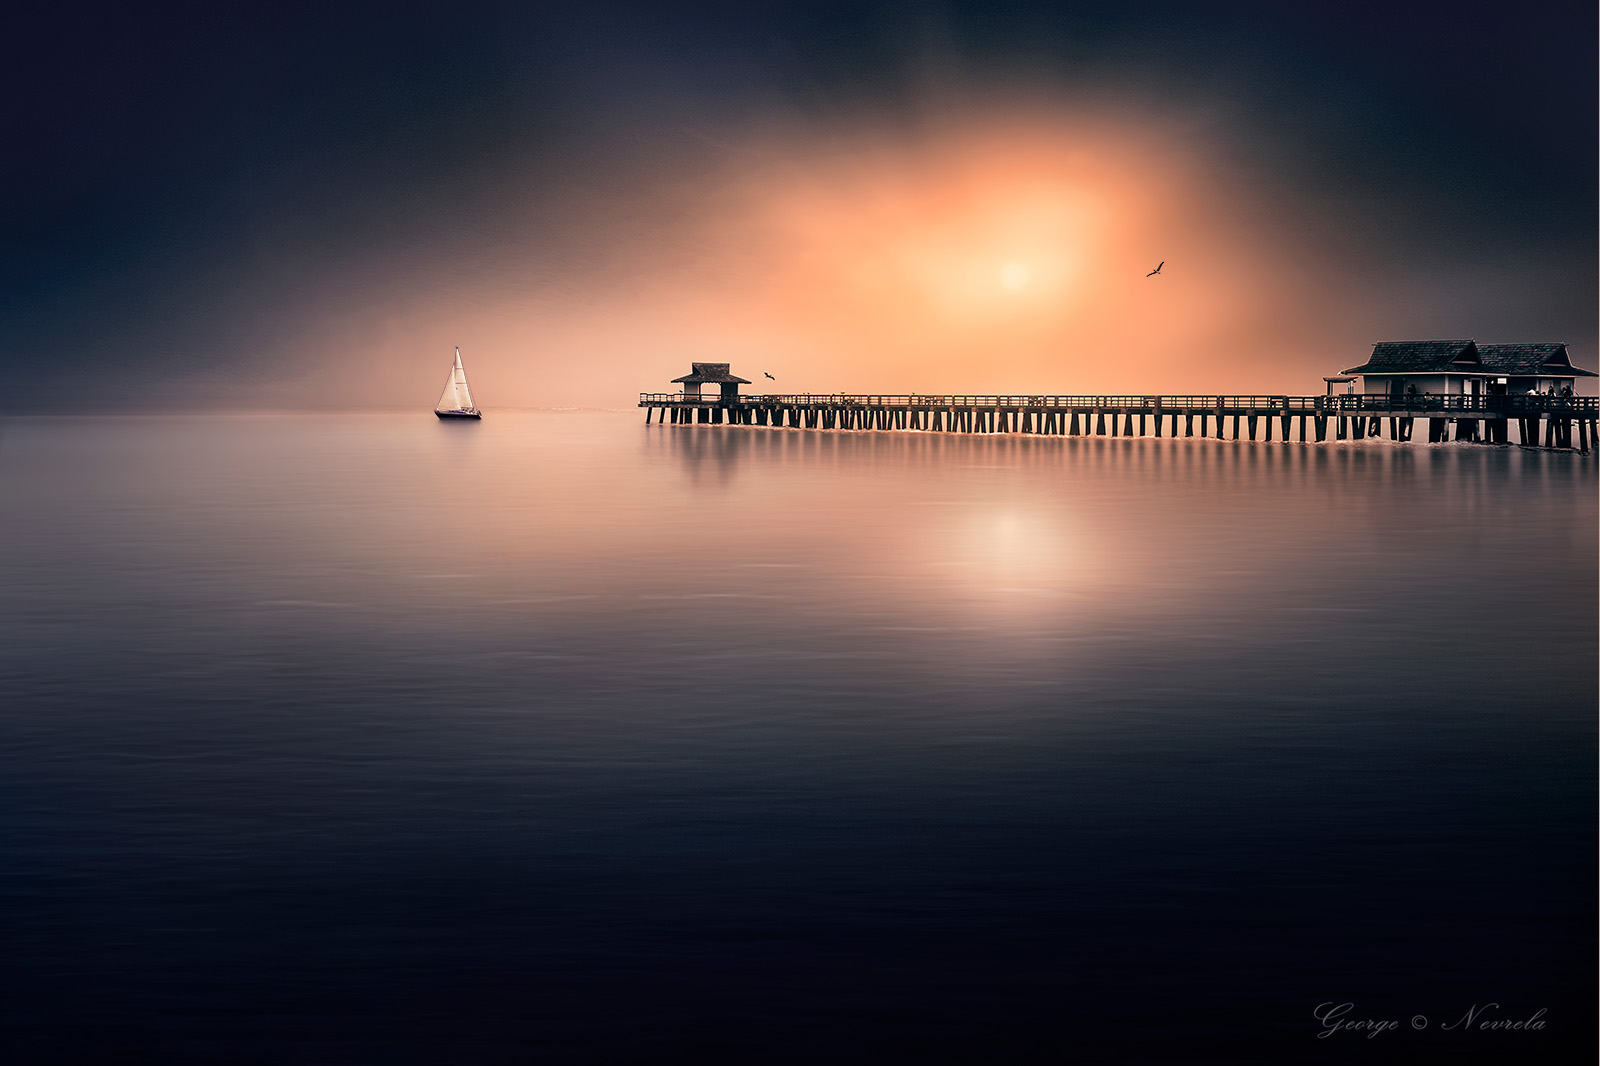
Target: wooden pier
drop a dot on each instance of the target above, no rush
(1540, 421)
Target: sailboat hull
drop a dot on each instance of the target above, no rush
(474, 415)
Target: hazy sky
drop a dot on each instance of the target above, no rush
(262, 205)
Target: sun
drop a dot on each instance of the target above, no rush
(1015, 275)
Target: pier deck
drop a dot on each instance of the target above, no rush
(1561, 422)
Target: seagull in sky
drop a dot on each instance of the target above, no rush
(769, 375)
(1157, 270)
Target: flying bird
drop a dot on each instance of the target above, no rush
(769, 375)
(1157, 270)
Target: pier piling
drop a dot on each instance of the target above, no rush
(1559, 422)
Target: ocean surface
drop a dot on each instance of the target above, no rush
(371, 739)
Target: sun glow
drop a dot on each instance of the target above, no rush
(1015, 275)
(972, 257)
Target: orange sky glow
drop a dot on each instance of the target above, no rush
(984, 255)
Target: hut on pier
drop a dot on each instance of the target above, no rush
(1396, 368)
(1466, 368)
(710, 374)
(1538, 368)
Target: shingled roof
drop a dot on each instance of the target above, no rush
(710, 374)
(1531, 360)
(1418, 357)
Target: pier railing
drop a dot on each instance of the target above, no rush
(1356, 403)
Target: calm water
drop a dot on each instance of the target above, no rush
(375, 740)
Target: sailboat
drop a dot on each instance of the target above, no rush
(456, 400)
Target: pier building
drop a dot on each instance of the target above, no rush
(711, 374)
(1463, 367)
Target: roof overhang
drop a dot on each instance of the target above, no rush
(1475, 372)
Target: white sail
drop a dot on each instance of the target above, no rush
(458, 375)
(456, 396)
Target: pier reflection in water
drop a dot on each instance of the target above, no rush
(567, 736)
